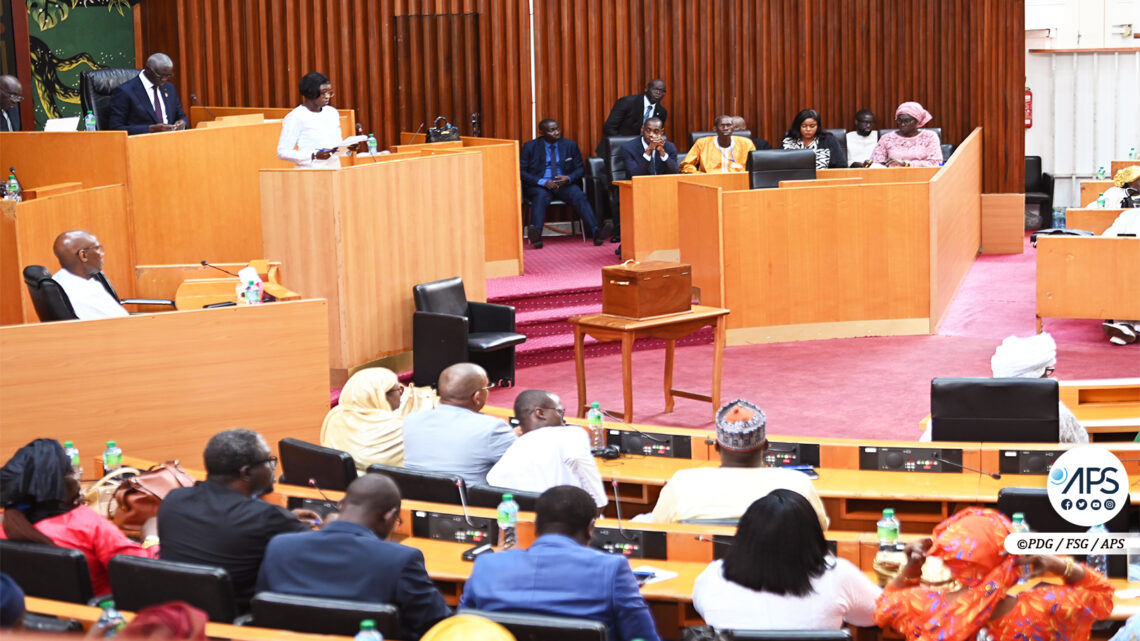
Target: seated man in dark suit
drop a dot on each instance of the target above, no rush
(630, 113)
(560, 576)
(11, 95)
(651, 154)
(740, 124)
(550, 167)
(350, 559)
(220, 521)
(148, 103)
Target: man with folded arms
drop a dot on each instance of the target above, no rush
(351, 559)
(549, 452)
(560, 576)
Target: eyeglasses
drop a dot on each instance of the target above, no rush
(902, 120)
(160, 75)
(97, 248)
(561, 410)
(272, 461)
(1049, 371)
(14, 97)
(489, 387)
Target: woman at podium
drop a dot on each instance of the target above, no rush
(310, 131)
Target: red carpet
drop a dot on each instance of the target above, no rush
(850, 388)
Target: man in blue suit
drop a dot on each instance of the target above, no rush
(148, 103)
(551, 167)
(11, 95)
(349, 559)
(560, 576)
(651, 154)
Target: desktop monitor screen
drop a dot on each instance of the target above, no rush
(1020, 410)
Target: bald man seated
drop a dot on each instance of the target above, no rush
(81, 257)
(455, 438)
(148, 103)
(350, 559)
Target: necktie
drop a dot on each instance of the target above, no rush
(157, 105)
(648, 114)
(552, 155)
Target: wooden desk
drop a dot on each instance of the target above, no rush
(1091, 189)
(605, 327)
(1080, 277)
(650, 216)
(1090, 219)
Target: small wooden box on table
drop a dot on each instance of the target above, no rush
(644, 290)
(605, 327)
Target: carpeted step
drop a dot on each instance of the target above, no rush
(550, 300)
(540, 350)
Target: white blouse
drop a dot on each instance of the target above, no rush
(304, 131)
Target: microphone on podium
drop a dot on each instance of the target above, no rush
(421, 128)
(225, 271)
(194, 97)
(993, 475)
(617, 506)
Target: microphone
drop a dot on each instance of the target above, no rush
(313, 484)
(205, 264)
(993, 475)
(421, 128)
(655, 439)
(194, 97)
(463, 501)
(617, 506)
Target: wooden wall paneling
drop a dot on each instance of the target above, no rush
(30, 229)
(153, 383)
(955, 223)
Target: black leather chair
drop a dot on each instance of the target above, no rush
(321, 616)
(138, 582)
(543, 627)
(1039, 189)
(448, 329)
(840, 135)
(479, 495)
(615, 168)
(47, 571)
(597, 183)
(947, 151)
(418, 485)
(792, 635)
(300, 461)
(694, 136)
(1033, 502)
(767, 167)
(95, 89)
(52, 304)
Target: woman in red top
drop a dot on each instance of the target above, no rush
(40, 496)
(970, 544)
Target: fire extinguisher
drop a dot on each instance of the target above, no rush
(1028, 107)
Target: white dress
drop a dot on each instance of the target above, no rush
(304, 131)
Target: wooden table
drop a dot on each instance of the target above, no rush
(605, 327)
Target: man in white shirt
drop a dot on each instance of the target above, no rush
(81, 257)
(549, 452)
(862, 141)
(726, 492)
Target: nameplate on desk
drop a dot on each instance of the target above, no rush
(785, 454)
(909, 459)
(636, 544)
(454, 527)
(1027, 461)
(649, 444)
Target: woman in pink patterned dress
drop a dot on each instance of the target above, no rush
(909, 146)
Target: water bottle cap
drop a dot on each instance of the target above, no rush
(888, 512)
(368, 624)
(1018, 516)
(508, 497)
(596, 405)
(68, 444)
(108, 605)
(110, 444)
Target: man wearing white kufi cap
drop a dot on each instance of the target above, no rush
(725, 492)
(1032, 357)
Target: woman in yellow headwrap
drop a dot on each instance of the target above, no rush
(970, 545)
(467, 627)
(369, 421)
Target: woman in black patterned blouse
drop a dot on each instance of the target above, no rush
(807, 133)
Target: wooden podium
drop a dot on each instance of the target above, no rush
(363, 236)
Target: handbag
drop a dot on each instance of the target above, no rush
(442, 132)
(138, 497)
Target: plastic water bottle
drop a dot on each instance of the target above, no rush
(89, 122)
(72, 453)
(1132, 153)
(1100, 201)
(1021, 526)
(888, 530)
(508, 522)
(1101, 173)
(12, 189)
(1098, 562)
(368, 631)
(110, 621)
(112, 457)
(594, 419)
(1059, 218)
(249, 293)
(372, 144)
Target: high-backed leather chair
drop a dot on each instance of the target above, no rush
(947, 151)
(479, 495)
(615, 170)
(312, 615)
(448, 329)
(52, 304)
(840, 135)
(420, 485)
(694, 136)
(47, 571)
(597, 182)
(95, 89)
(1039, 189)
(543, 627)
(138, 582)
(767, 167)
(328, 468)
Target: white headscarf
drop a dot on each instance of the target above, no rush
(1024, 357)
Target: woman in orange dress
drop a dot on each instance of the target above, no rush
(970, 545)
